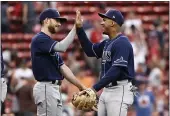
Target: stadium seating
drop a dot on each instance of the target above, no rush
(147, 11)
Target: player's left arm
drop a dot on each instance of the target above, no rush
(67, 73)
(110, 76)
(119, 63)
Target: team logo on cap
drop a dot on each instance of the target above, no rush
(113, 16)
(57, 12)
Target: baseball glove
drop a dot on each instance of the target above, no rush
(85, 100)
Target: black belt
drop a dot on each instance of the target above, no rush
(54, 82)
(115, 83)
(58, 83)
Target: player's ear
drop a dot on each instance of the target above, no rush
(112, 23)
(47, 20)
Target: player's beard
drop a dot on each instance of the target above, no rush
(51, 29)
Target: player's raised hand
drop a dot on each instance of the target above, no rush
(78, 21)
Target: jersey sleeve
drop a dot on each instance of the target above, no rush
(59, 59)
(46, 45)
(121, 54)
(97, 48)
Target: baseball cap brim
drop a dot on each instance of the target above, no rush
(61, 19)
(103, 15)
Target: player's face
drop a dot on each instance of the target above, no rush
(53, 26)
(107, 24)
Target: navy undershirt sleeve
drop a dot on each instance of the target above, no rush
(91, 50)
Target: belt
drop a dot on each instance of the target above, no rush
(56, 82)
(118, 83)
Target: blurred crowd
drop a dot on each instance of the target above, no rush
(151, 55)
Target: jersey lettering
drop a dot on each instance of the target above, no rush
(106, 56)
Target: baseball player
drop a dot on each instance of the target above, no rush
(117, 65)
(3, 85)
(47, 65)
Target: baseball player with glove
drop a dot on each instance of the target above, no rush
(3, 85)
(117, 64)
(47, 65)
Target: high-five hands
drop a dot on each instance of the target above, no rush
(79, 20)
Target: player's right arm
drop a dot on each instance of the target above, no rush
(64, 44)
(91, 50)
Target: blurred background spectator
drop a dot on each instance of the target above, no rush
(144, 103)
(146, 25)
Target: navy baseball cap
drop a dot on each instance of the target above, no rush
(114, 15)
(51, 13)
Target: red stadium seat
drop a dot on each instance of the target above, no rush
(28, 37)
(161, 9)
(144, 9)
(147, 27)
(22, 54)
(148, 18)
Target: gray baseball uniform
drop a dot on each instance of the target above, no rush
(3, 85)
(117, 67)
(46, 68)
(46, 63)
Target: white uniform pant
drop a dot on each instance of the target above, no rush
(47, 97)
(3, 91)
(114, 101)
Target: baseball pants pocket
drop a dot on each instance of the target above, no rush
(49, 107)
(41, 108)
(38, 94)
(128, 96)
(48, 100)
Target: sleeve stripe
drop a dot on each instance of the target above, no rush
(61, 64)
(52, 46)
(57, 55)
(119, 65)
(94, 52)
(120, 61)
